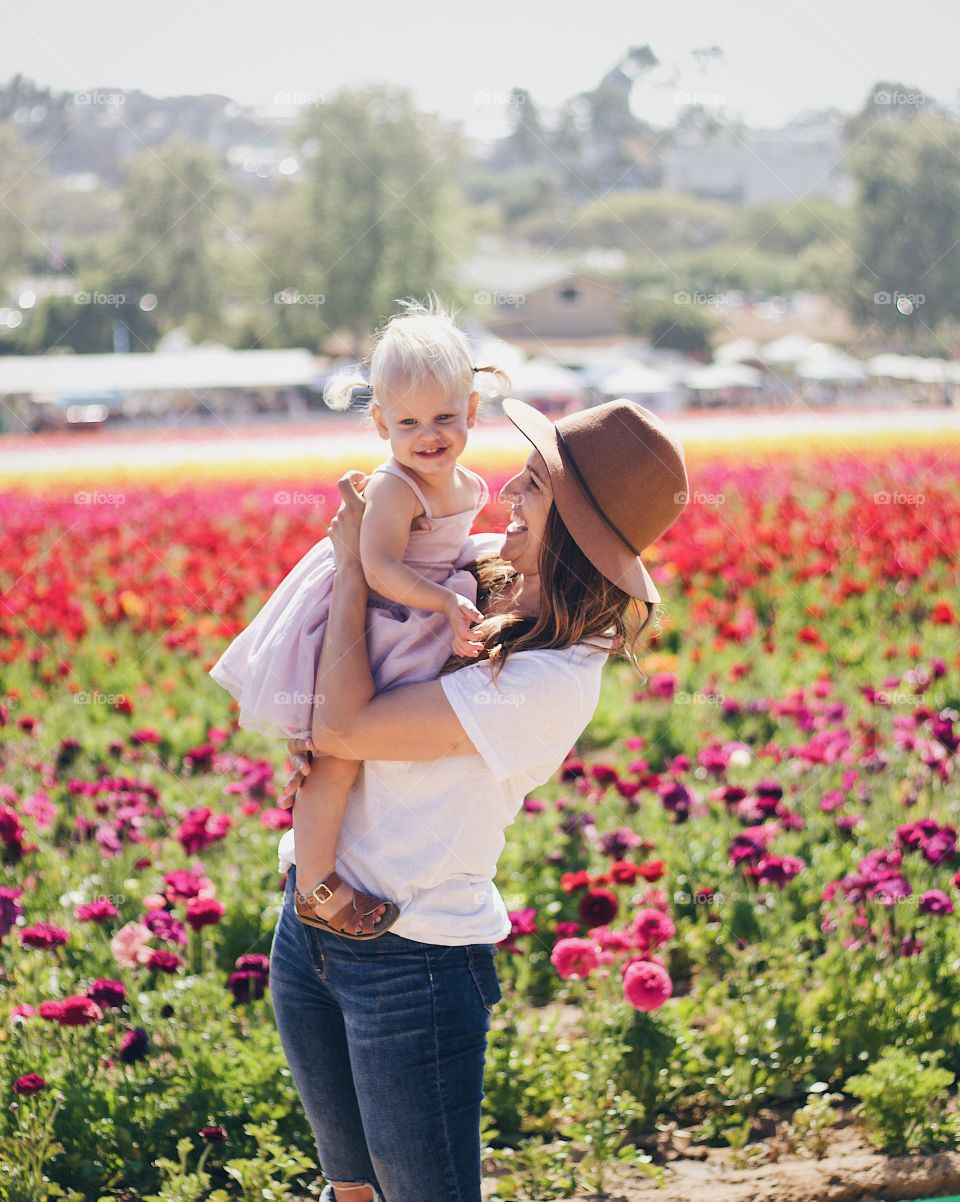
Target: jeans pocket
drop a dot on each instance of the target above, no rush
(481, 958)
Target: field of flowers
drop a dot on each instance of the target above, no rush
(738, 894)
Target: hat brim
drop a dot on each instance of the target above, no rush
(588, 529)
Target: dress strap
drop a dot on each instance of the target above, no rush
(393, 469)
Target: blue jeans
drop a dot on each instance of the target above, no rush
(386, 1040)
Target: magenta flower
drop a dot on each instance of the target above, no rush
(28, 1084)
(646, 985)
(43, 935)
(134, 1045)
(78, 1011)
(163, 961)
(934, 901)
(204, 912)
(574, 957)
(247, 986)
(10, 908)
(107, 992)
(96, 911)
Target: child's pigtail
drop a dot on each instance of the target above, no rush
(345, 389)
(496, 382)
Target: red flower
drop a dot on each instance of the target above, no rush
(570, 882)
(598, 907)
(943, 614)
(624, 872)
(653, 870)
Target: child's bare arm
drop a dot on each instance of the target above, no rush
(384, 531)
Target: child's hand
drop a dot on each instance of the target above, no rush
(462, 614)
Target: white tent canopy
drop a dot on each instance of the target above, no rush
(825, 362)
(635, 380)
(737, 351)
(214, 367)
(791, 348)
(723, 375)
(914, 367)
(543, 377)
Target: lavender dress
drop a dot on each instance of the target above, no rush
(271, 666)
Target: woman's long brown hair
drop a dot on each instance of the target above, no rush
(577, 604)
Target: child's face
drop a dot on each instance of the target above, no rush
(427, 433)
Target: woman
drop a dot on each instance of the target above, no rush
(386, 1039)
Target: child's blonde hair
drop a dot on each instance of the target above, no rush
(420, 342)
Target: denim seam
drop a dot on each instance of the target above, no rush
(436, 1063)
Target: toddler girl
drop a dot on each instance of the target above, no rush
(420, 506)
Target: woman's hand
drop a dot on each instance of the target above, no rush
(344, 529)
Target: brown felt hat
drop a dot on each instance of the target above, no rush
(619, 481)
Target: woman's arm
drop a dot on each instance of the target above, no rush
(349, 721)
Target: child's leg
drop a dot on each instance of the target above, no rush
(317, 818)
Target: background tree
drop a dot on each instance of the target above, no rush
(381, 216)
(173, 205)
(906, 225)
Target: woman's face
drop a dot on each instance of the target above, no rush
(529, 496)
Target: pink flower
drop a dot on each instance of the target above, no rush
(23, 1010)
(646, 986)
(653, 928)
(523, 922)
(129, 945)
(276, 819)
(204, 912)
(574, 957)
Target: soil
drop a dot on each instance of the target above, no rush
(853, 1171)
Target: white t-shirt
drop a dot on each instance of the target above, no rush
(428, 833)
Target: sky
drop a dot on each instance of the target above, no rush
(461, 60)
